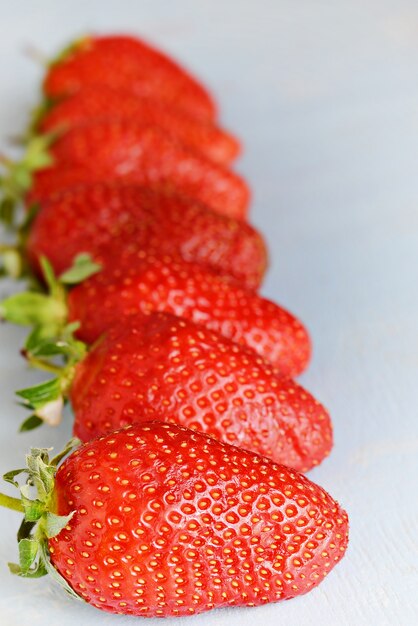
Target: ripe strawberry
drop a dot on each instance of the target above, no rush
(100, 103)
(126, 63)
(133, 218)
(162, 367)
(127, 151)
(158, 521)
(147, 283)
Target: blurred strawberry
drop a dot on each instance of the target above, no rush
(100, 103)
(134, 218)
(130, 152)
(127, 63)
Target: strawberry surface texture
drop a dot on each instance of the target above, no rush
(161, 366)
(170, 522)
(145, 283)
(187, 491)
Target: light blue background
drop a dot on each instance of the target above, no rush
(325, 98)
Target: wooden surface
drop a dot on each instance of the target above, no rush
(325, 97)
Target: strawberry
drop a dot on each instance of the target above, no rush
(84, 219)
(101, 103)
(157, 520)
(128, 151)
(141, 282)
(126, 63)
(161, 366)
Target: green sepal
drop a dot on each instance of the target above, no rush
(37, 396)
(9, 477)
(34, 509)
(34, 309)
(37, 114)
(31, 562)
(7, 209)
(37, 571)
(41, 472)
(28, 220)
(48, 312)
(40, 522)
(69, 50)
(30, 423)
(12, 261)
(37, 155)
(54, 524)
(25, 530)
(28, 549)
(36, 346)
(83, 267)
(73, 443)
(17, 178)
(48, 274)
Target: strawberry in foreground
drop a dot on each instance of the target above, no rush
(159, 365)
(124, 150)
(100, 103)
(85, 218)
(130, 64)
(157, 520)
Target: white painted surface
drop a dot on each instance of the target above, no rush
(325, 96)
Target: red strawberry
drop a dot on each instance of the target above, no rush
(127, 151)
(161, 366)
(101, 103)
(158, 521)
(147, 283)
(123, 62)
(133, 218)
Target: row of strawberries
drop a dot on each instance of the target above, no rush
(164, 517)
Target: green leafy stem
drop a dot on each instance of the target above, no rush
(40, 522)
(51, 346)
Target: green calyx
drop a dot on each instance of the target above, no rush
(13, 262)
(46, 400)
(68, 51)
(37, 115)
(16, 176)
(40, 522)
(47, 312)
(51, 346)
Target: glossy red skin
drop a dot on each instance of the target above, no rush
(132, 218)
(127, 151)
(164, 367)
(102, 103)
(148, 283)
(123, 62)
(169, 522)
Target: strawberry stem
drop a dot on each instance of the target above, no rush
(16, 178)
(40, 521)
(52, 339)
(14, 504)
(43, 365)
